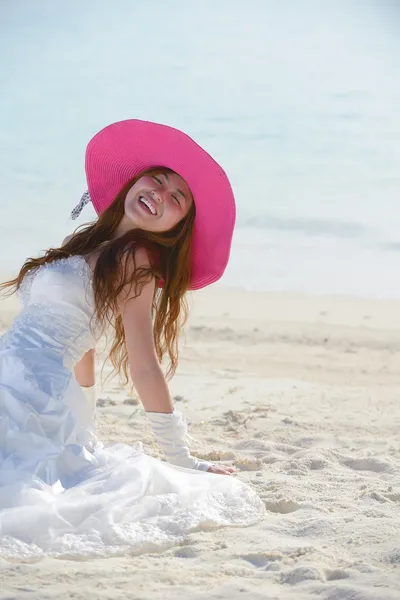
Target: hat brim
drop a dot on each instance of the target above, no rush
(124, 149)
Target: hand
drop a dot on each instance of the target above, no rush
(221, 469)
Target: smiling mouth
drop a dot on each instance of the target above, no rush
(148, 204)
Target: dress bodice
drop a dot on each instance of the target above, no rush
(57, 310)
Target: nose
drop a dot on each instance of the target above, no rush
(157, 196)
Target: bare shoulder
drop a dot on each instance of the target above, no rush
(134, 261)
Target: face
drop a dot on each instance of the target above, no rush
(156, 203)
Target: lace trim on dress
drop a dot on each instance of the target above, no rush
(78, 262)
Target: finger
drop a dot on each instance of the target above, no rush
(218, 471)
(224, 467)
(221, 469)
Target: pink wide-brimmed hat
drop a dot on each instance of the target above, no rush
(124, 149)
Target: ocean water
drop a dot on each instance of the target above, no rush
(298, 100)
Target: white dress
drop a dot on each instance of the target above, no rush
(63, 492)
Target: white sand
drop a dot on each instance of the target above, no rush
(303, 393)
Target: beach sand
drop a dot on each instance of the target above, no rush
(302, 393)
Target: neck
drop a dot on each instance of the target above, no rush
(124, 226)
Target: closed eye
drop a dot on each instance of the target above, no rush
(174, 196)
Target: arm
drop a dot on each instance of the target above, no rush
(85, 370)
(169, 427)
(85, 376)
(145, 369)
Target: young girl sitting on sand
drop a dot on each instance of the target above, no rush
(166, 215)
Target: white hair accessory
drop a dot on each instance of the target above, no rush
(79, 207)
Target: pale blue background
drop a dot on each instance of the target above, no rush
(299, 100)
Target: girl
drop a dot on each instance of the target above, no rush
(166, 214)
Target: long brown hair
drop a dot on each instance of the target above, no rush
(170, 264)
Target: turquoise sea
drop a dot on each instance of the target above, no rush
(299, 100)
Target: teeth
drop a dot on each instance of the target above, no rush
(148, 204)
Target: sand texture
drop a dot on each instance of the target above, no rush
(302, 393)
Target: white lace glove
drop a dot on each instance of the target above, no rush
(91, 398)
(170, 430)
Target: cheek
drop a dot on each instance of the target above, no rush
(175, 215)
(129, 201)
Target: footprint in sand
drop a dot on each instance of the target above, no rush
(393, 557)
(393, 497)
(366, 464)
(262, 559)
(282, 506)
(249, 464)
(186, 552)
(335, 574)
(301, 574)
